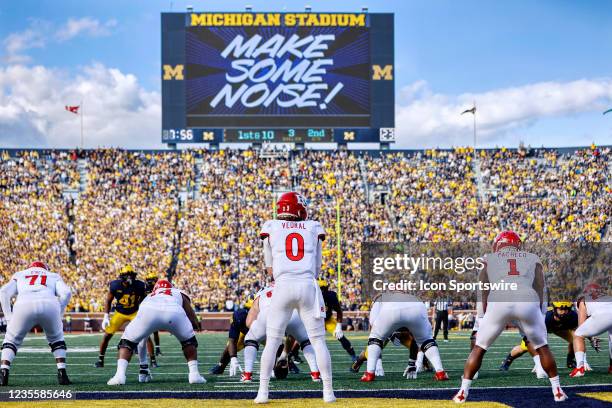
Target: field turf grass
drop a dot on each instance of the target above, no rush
(34, 367)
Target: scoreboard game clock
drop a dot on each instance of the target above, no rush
(241, 77)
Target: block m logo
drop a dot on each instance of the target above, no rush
(385, 73)
(173, 72)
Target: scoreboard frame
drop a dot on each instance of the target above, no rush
(381, 128)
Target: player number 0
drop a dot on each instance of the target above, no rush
(289, 246)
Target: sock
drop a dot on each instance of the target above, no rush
(374, 351)
(142, 352)
(579, 358)
(61, 366)
(433, 355)
(101, 357)
(8, 355)
(346, 345)
(193, 367)
(264, 386)
(121, 367)
(536, 361)
(309, 355)
(466, 384)
(554, 383)
(250, 355)
(323, 360)
(5, 366)
(268, 358)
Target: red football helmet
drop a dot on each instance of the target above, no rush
(292, 205)
(163, 284)
(38, 264)
(594, 290)
(505, 239)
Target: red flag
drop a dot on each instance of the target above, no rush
(73, 109)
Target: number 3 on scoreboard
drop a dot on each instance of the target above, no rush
(299, 240)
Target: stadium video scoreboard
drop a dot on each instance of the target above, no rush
(245, 77)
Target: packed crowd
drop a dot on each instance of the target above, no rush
(196, 214)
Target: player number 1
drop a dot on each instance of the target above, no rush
(513, 271)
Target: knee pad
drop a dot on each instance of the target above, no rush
(190, 342)
(252, 343)
(304, 344)
(374, 340)
(58, 345)
(9, 346)
(427, 344)
(130, 345)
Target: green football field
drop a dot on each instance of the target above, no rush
(34, 366)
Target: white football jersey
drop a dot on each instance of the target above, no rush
(163, 297)
(265, 298)
(38, 282)
(294, 248)
(512, 266)
(599, 305)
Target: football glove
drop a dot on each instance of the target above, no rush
(234, 367)
(410, 372)
(105, 321)
(338, 331)
(380, 371)
(595, 343)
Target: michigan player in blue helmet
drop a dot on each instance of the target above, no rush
(333, 325)
(238, 329)
(128, 293)
(561, 320)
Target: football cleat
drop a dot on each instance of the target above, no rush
(262, 397)
(293, 369)
(315, 376)
(460, 397)
(356, 366)
(99, 364)
(354, 358)
(196, 378)
(116, 381)
(4, 376)
(505, 365)
(62, 377)
(297, 359)
(246, 377)
(441, 376)
(328, 396)
(577, 372)
(144, 375)
(216, 370)
(559, 395)
(154, 364)
(368, 377)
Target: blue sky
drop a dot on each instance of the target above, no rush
(540, 72)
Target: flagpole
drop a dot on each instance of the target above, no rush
(82, 124)
(474, 130)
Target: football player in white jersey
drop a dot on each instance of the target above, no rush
(392, 311)
(257, 319)
(594, 318)
(42, 297)
(166, 308)
(292, 254)
(509, 264)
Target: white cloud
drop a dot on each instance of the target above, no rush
(85, 26)
(425, 118)
(117, 110)
(40, 32)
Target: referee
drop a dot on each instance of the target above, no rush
(441, 306)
